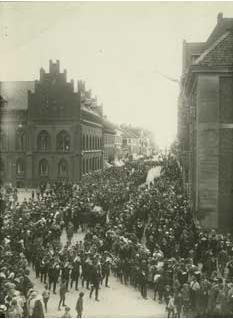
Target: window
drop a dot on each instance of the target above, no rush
(84, 166)
(87, 167)
(84, 142)
(63, 142)
(43, 168)
(43, 141)
(89, 147)
(86, 147)
(2, 168)
(96, 143)
(63, 168)
(194, 57)
(20, 169)
(3, 141)
(20, 141)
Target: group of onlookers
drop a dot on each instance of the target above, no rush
(146, 236)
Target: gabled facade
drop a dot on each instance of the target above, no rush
(49, 132)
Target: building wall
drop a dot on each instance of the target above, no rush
(92, 146)
(210, 148)
(109, 146)
(207, 154)
(54, 109)
(226, 153)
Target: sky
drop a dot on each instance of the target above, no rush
(119, 48)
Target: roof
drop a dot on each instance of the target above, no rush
(15, 93)
(199, 48)
(223, 25)
(220, 53)
(128, 133)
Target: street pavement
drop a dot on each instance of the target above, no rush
(117, 301)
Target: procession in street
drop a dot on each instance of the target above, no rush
(57, 248)
(116, 159)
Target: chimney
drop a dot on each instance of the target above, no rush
(219, 17)
(54, 67)
(81, 86)
(42, 72)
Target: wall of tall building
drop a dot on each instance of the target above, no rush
(205, 126)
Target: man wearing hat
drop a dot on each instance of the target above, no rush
(95, 279)
(106, 270)
(75, 272)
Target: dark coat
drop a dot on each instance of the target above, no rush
(38, 310)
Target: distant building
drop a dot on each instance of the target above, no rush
(49, 132)
(136, 141)
(205, 125)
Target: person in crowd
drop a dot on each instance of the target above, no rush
(67, 313)
(15, 311)
(148, 233)
(46, 296)
(171, 307)
(79, 305)
(63, 291)
(95, 279)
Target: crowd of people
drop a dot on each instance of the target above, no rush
(145, 235)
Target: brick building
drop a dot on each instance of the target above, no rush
(205, 125)
(49, 131)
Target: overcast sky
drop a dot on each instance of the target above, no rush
(117, 48)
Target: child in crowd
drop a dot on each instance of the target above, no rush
(79, 305)
(67, 313)
(46, 295)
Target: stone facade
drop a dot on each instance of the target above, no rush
(205, 126)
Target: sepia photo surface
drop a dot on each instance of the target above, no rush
(116, 159)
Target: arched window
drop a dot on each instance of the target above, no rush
(3, 141)
(20, 140)
(63, 141)
(43, 141)
(20, 167)
(63, 168)
(43, 168)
